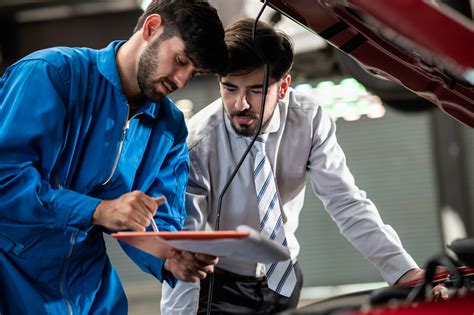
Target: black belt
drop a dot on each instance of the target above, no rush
(236, 276)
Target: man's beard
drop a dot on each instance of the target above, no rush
(147, 66)
(244, 130)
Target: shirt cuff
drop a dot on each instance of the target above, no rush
(156, 267)
(74, 210)
(149, 263)
(396, 267)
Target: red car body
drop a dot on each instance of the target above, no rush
(428, 50)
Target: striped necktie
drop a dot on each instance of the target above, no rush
(281, 275)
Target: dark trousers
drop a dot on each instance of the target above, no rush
(236, 294)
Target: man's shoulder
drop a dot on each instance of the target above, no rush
(68, 62)
(61, 55)
(204, 126)
(303, 108)
(302, 101)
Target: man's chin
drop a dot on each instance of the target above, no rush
(156, 97)
(246, 131)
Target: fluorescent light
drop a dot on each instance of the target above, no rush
(145, 4)
(348, 99)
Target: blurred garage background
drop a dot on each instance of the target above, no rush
(415, 162)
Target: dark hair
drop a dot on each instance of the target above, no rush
(197, 23)
(243, 57)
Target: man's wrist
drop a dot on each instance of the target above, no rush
(97, 212)
(410, 275)
(165, 269)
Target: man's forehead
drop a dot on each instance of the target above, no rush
(243, 81)
(176, 43)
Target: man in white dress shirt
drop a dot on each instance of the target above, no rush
(300, 143)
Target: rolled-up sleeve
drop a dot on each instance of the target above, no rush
(356, 216)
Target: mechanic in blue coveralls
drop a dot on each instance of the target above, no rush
(89, 142)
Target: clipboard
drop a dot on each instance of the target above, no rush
(244, 243)
(184, 235)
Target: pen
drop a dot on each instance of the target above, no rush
(153, 225)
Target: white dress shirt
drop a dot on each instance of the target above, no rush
(301, 142)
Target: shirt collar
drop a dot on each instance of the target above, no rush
(107, 66)
(274, 123)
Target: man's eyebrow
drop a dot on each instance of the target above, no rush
(228, 84)
(186, 53)
(189, 59)
(255, 86)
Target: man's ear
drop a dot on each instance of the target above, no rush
(151, 27)
(284, 85)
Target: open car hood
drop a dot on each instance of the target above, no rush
(429, 49)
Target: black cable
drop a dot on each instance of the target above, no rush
(266, 71)
(419, 292)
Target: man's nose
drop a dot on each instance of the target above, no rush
(241, 103)
(182, 77)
